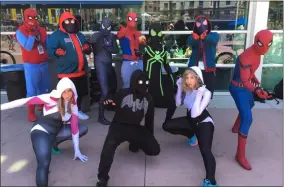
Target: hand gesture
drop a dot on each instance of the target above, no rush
(262, 94)
(255, 82)
(203, 35)
(79, 155)
(195, 36)
(142, 40)
(60, 52)
(179, 82)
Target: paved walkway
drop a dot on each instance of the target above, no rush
(177, 165)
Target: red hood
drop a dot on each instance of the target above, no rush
(64, 16)
(209, 23)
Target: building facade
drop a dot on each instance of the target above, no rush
(236, 21)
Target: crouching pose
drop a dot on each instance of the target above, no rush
(59, 106)
(132, 105)
(193, 94)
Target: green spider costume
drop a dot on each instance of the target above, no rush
(154, 58)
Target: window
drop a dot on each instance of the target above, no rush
(191, 3)
(200, 4)
(166, 5)
(228, 2)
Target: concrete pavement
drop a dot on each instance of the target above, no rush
(177, 165)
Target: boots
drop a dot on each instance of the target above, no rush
(102, 118)
(39, 107)
(236, 126)
(101, 183)
(241, 153)
(31, 113)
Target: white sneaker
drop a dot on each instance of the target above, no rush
(82, 116)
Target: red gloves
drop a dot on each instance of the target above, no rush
(255, 81)
(261, 93)
(60, 52)
(86, 47)
(203, 35)
(195, 36)
(34, 32)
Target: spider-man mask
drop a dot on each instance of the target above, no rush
(131, 20)
(201, 25)
(262, 41)
(30, 18)
(155, 36)
(105, 26)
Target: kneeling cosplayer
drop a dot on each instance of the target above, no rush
(60, 110)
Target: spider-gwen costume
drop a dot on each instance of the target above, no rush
(129, 42)
(104, 45)
(45, 129)
(154, 58)
(32, 38)
(243, 85)
(68, 48)
(204, 44)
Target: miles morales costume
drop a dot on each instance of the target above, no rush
(154, 58)
(133, 104)
(204, 44)
(104, 45)
(243, 85)
(67, 46)
(32, 38)
(129, 39)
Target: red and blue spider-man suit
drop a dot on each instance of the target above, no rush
(32, 39)
(243, 85)
(129, 42)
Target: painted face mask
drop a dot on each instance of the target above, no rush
(262, 41)
(106, 26)
(30, 18)
(155, 36)
(131, 20)
(201, 25)
(70, 25)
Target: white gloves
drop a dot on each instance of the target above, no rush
(179, 83)
(78, 153)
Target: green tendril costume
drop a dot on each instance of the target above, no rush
(154, 58)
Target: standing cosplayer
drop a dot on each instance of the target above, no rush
(130, 39)
(67, 46)
(32, 38)
(193, 94)
(59, 109)
(243, 85)
(104, 45)
(133, 104)
(204, 44)
(154, 58)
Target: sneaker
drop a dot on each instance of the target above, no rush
(206, 183)
(82, 116)
(101, 183)
(193, 141)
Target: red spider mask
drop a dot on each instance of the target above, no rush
(131, 20)
(262, 41)
(30, 18)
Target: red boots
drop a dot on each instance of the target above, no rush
(31, 113)
(236, 126)
(241, 153)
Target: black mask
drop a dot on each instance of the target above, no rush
(155, 36)
(105, 26)
(139, 82)
(201, 25)
(71, 26)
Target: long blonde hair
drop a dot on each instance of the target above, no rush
(61, 106)
(185, 74)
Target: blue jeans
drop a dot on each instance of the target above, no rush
(128, 67)
(37, 78)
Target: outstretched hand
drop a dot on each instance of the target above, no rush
(108, 101)
(79, 155)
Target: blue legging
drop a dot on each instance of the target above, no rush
(37, 78)
(245, 102)
(128, 67)
(105, 73)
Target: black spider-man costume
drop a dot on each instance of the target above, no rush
(104, 45)
(243, 85)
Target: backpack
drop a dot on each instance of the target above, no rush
(278, 90)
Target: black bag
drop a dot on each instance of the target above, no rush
(278, 90)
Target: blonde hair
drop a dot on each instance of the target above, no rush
(185, 74)
(61, 106)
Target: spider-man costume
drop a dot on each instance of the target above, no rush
(32, 38)
(243, 85)
(104, 45)
(129, 42)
